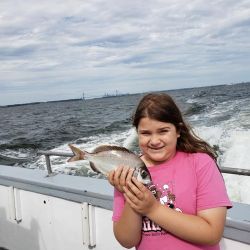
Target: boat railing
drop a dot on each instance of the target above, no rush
(47, 154)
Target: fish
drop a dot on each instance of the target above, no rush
(106, 158)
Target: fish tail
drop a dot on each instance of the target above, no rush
(78, 153)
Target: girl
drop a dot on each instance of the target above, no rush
(190, 210)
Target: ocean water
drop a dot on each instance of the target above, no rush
(218, 114)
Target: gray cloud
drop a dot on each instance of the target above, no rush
(132, 46)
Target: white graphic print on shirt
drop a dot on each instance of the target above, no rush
(167, 197)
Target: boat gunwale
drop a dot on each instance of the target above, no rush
(85, 189)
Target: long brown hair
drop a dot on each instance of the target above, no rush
(161, 107)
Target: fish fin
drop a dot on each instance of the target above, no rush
(110, 147)
(78, 154)
(93, 167)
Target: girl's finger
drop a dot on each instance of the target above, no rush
(117, 175)
(139, 185)
(131, 204)
(129, 175)
(129, 195)
(123, 175)
(134, 189)
(111, 177)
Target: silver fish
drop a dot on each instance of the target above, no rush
(106, 158)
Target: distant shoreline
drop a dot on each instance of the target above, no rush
(32, 103)
(108, 96)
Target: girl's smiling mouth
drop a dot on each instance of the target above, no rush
(156, 148)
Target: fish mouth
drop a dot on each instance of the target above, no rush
(148, 184)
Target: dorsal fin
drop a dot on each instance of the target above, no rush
(103, 148)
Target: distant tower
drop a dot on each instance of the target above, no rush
(83, 97)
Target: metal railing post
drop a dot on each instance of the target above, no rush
(47, 155)
(48, 165)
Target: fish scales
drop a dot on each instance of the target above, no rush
(108, 160)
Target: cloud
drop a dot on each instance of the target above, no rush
(130, 45)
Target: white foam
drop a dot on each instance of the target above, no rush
(212, 134)
(18, 154)
(130, 139)
(238, 187)
(191, 100)
(237, 146)
(234, 145)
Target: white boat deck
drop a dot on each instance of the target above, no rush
(71, 212)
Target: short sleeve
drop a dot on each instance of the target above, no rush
(211, 189)
(118, 205)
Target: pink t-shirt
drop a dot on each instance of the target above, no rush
(188, 183)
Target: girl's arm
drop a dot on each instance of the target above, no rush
(128, 229)
(204, 228)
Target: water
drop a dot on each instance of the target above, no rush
(218, 114)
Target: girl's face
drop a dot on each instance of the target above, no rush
(157, 140)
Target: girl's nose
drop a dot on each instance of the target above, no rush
(154, 140)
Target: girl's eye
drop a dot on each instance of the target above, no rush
(164, 131)
(145, 133)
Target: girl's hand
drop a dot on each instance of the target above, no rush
(120, 176)
(139, 197)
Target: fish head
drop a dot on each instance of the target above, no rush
(142, 175)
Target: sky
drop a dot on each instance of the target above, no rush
(56, 50)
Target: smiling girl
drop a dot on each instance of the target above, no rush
(190, 210)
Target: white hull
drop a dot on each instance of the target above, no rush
(69, 212)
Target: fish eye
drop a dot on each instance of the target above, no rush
(144, 174)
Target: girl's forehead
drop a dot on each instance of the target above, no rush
(148, 122)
